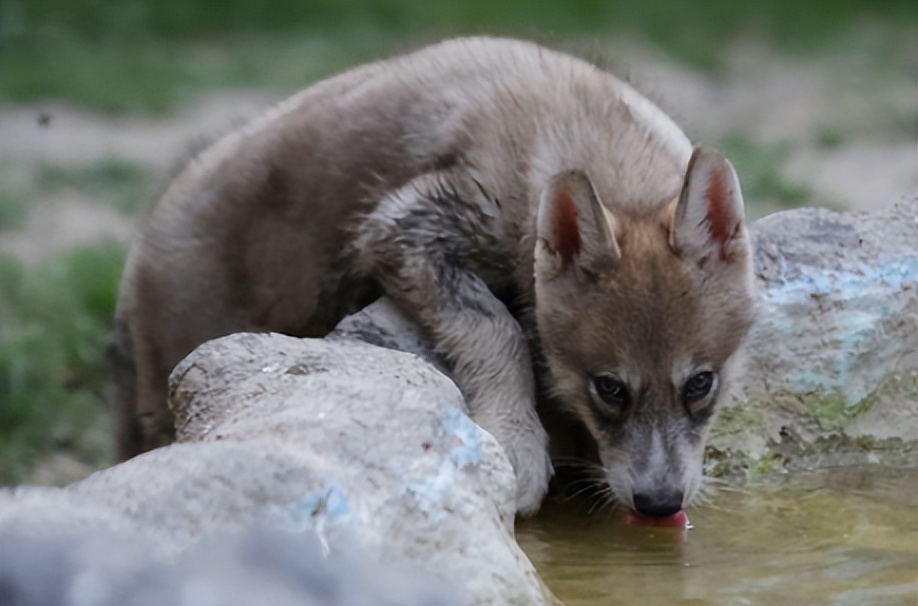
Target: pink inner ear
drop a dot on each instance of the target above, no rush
(564, 224)
(718, 200)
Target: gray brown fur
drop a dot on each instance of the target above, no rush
(427, 177)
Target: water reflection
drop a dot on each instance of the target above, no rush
(844, 536)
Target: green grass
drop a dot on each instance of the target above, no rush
(55, 321)
(791, 23)
(830, 138)
(140, 55)
(12, 210)
(759, 167)
(154, 76)
(126, 186)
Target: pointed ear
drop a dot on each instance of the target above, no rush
(574, 233)
(708, 222)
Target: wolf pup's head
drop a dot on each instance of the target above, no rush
(640, 318)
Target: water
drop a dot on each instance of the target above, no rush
(842, 536)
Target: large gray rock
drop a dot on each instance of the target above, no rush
(838, 312)
(258, 566)
(362, 448)
(833, 357)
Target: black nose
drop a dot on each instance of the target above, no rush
(658, 505)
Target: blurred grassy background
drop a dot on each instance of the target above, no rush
(149, 57)
(128, 55)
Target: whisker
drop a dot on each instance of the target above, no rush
(592, 489)
(576, 463)
(603, 498)
(596, 504)
(608, 504)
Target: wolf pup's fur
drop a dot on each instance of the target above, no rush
(467, 179)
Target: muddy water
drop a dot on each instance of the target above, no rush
(844, 536)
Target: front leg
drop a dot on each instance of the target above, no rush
(427, 244)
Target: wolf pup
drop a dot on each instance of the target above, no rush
(466, 180)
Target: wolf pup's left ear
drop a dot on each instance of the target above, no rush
(574, 234)
(708, 223)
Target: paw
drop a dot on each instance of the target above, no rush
(528, 453)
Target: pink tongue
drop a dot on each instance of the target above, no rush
(677, 520)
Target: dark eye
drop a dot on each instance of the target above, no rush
(698, 387)
(610, 390)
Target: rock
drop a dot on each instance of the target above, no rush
(363, 448)
(835, 346)
(258, 566)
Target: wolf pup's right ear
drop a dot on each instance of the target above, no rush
(708, 222)
(574, 234)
